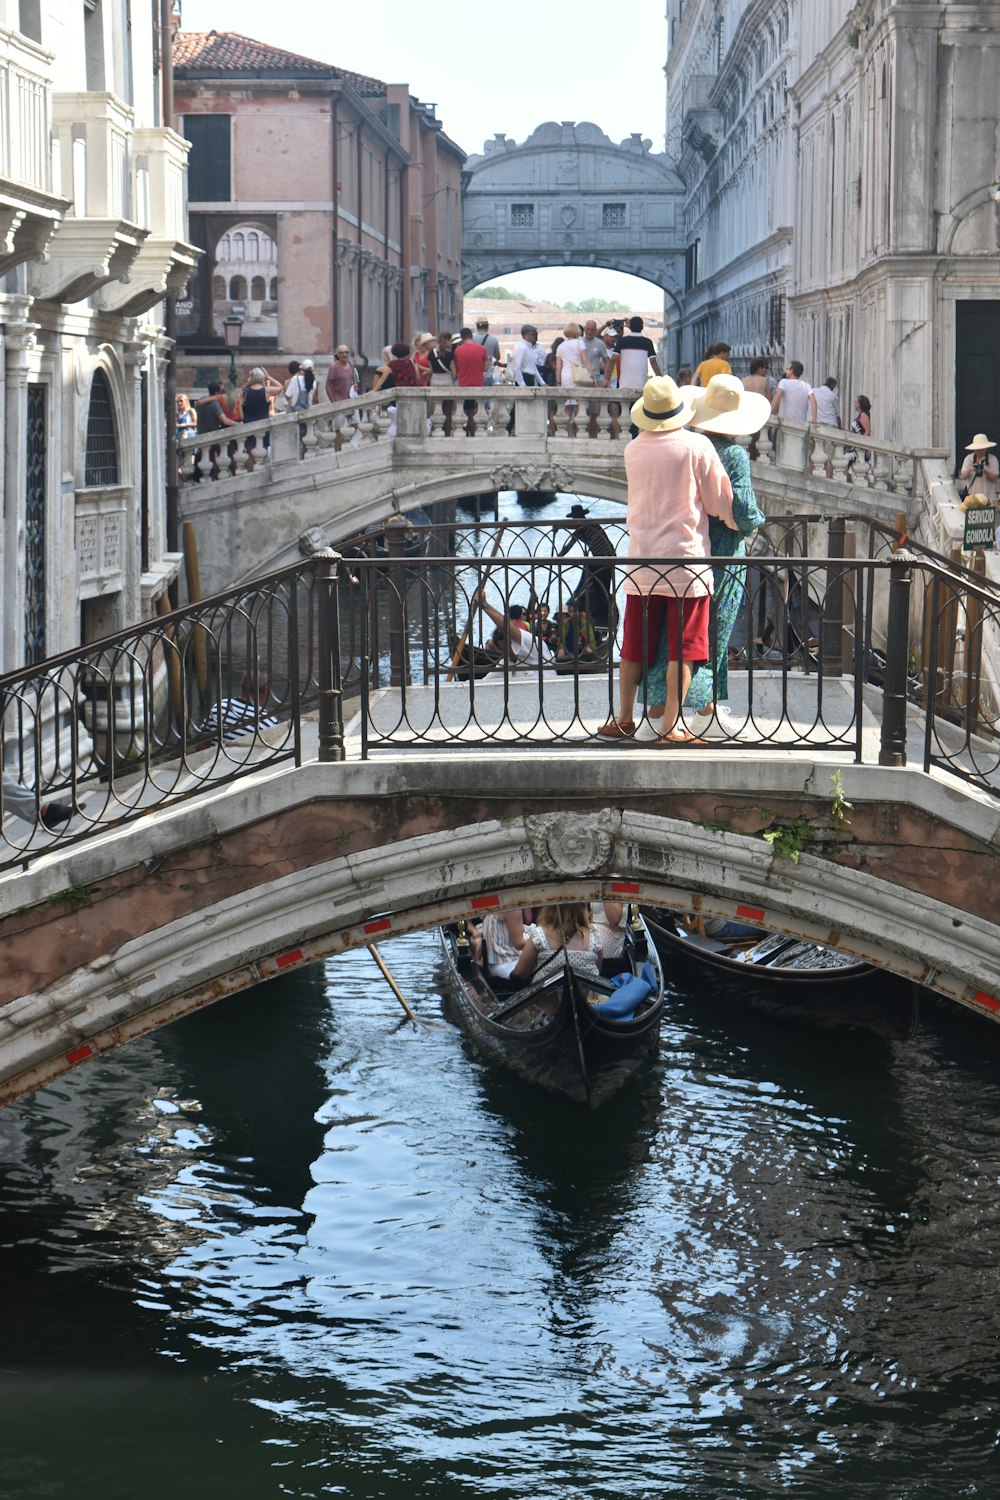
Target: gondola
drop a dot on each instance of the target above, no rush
(550, 1033)
(769, 957)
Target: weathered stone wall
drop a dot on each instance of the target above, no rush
(116, 938)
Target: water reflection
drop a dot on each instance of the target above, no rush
(294, 1246)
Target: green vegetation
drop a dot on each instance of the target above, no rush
(788, 840)
(498, 294)
(597, 304)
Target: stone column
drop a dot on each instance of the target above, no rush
(18, 343)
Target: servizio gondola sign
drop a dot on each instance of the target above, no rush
(980, 528)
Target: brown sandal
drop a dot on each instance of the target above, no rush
(615, 730)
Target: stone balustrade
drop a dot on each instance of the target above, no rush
(431, 415)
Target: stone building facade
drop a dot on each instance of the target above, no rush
(92, 238)
(327, 204)
(841, 171)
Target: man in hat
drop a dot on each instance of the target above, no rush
(675, 482)
(980, 473)
(595, 593)
(491, 344)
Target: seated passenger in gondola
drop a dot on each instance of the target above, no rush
(512, 636)
(509, 958)
(568, 927)
(577, 640)
(610, 921)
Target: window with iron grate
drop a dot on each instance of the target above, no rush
(613, 216)
(101, 462)
(522, 216)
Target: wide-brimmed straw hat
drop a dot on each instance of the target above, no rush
(725, 406)
(662, 407)
(978, 442)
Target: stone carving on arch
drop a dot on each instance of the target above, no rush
(974, 225)
(574, 843)
(569, 195)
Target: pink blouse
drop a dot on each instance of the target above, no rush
(675, 482)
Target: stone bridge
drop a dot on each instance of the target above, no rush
(121, 934)
(336, 469)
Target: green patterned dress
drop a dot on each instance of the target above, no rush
(729, 586)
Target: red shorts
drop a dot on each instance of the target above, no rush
(686, 617)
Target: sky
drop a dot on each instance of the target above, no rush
(489, 70)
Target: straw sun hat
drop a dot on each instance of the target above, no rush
(979, 442)
(726, 407)
(662, 407)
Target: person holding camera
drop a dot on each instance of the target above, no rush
(980, 473)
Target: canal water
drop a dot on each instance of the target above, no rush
(293, 1246)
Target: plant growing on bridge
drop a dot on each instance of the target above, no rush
(789, 839)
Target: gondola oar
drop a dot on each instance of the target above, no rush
(468, 624)
(376, 955)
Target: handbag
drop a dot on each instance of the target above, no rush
(582, 376)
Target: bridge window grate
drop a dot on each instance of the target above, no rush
(613, 216)
(101, 463)
(522, 216)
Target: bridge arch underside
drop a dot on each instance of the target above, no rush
(164, 917)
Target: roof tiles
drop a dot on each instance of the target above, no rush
(227, 54)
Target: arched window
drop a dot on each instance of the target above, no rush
(253, 246)
(224, 248)
(239, 247)
(218, 288)
(274, 288)
(237, 289)
(258, 290)
(100, 467)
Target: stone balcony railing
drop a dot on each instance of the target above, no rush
(30, 207)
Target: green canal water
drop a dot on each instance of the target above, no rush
(294, 1247)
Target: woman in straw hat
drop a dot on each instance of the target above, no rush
(675, 483)
(980, 472)
(724, 410)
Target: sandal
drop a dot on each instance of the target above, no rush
(615, 730)
(684, 738)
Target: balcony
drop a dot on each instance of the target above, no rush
(166, 261)
(99, 240)
(30, 211)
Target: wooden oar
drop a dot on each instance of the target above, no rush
(417, 1020)
(472, 613)
(376, 955)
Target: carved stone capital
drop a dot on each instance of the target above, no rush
(314, 541)
(573, 843)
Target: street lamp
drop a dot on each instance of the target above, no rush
(232, 327)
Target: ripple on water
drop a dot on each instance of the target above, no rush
(299, 1244)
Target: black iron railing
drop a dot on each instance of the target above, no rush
(391, 636)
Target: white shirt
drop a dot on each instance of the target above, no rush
(527, 359)
(794, 405)
(827, 406)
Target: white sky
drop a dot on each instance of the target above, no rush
(489, 69)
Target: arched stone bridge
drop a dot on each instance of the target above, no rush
(117, 936)
(336, 469)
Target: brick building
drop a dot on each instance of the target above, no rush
(328, 206)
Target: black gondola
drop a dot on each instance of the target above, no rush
(549, 1032)
(770, 956)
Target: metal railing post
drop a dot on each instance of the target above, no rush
(331, 686)
(892, 748)
(395, 542)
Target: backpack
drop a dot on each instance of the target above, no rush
(302, 396)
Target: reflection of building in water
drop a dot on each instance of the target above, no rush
(246, 281)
